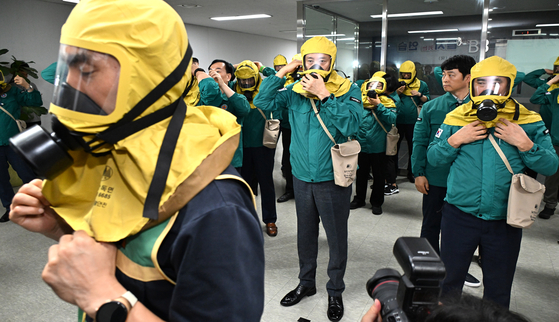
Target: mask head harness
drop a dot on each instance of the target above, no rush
(47, 154)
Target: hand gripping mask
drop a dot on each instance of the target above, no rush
(491, 86)
(118, 138)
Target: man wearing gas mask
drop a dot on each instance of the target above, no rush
(413, 93)
(478, 182)
(215, 91)
(546, 95)
(317, 197)
(142, 190)
(258, 160)
(12, 98)
(286, 138)
(378, 107)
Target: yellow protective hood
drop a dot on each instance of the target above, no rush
(492, 66)
(413, 83)
(248, 69)
(289, 79)
(467, 113)
(335, 83)
(364, 90)
(4, 87)
(297, 57)
(105, 195)
(556, 85)
(280, 60)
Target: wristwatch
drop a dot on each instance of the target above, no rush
(30, 89)
(116, 310)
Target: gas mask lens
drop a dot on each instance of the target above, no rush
(318, 61)
(86, 81)
(405, 75)
(556, 69)
(491, 86)
(246, 82)
(376, 85)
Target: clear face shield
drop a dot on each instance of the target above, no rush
(86, 81)
(490, 93)
(246, 83)
(405, 75)
(318, 61)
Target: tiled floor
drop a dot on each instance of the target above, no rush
(26, 298)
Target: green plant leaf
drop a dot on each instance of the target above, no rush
(28, 111)
(3, 51)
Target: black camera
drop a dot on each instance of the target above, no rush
(410, 297)
(402, 83)
(372, 93)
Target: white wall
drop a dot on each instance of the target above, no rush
(211, 43)
(32, 33)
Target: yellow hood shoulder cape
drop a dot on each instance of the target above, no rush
(335, 83)
(413, 83)
(466, 114)
(248, 69)
(105, 196)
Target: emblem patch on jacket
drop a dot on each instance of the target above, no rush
(439, 132)
(355, 100)
(546, 132)
(283, 89)
(419, 119)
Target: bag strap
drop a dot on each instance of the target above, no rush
(8, 114)
(501, 154)
(321, 123)
(375, 114)
(264, 115)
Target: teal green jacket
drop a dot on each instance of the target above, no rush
(12, 101)
(237, 104)
(430, 120)
(533, 79)
(371, 136)
(310, 146)
(253, 128)
(479, 182)
(549, 99)
(407, 110)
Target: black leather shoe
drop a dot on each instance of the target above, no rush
(335, 308)
(356, 204)
(286, 196)
(6, 216)
(297, 295)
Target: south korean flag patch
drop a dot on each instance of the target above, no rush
(439, 132)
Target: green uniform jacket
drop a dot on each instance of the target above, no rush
(533, 79)
(310, 146)
(237, 104)
(407, 110)
(549, 99)
(371, 136)
(430, 120)
(479, 182)
(12, 101)
(253, 127)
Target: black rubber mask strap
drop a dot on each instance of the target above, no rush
(163, 166)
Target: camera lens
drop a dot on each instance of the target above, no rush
(372, 93)
(384, 287)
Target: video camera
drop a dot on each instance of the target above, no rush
(410, 297)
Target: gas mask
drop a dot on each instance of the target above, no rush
(489, 94)
(246, 83)
(87, 82)
(3, 84)
(555, 70)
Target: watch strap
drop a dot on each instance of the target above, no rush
(132, 300)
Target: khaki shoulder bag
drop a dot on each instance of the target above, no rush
(525, 195)
(344, 156)
(21, 125)
(392, 137)
(271, 131)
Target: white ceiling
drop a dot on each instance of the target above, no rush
(283, 23)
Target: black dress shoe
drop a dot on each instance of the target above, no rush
(335, 308)
(6, 216)
(286, 196)
(297, 295)
(356, 204)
